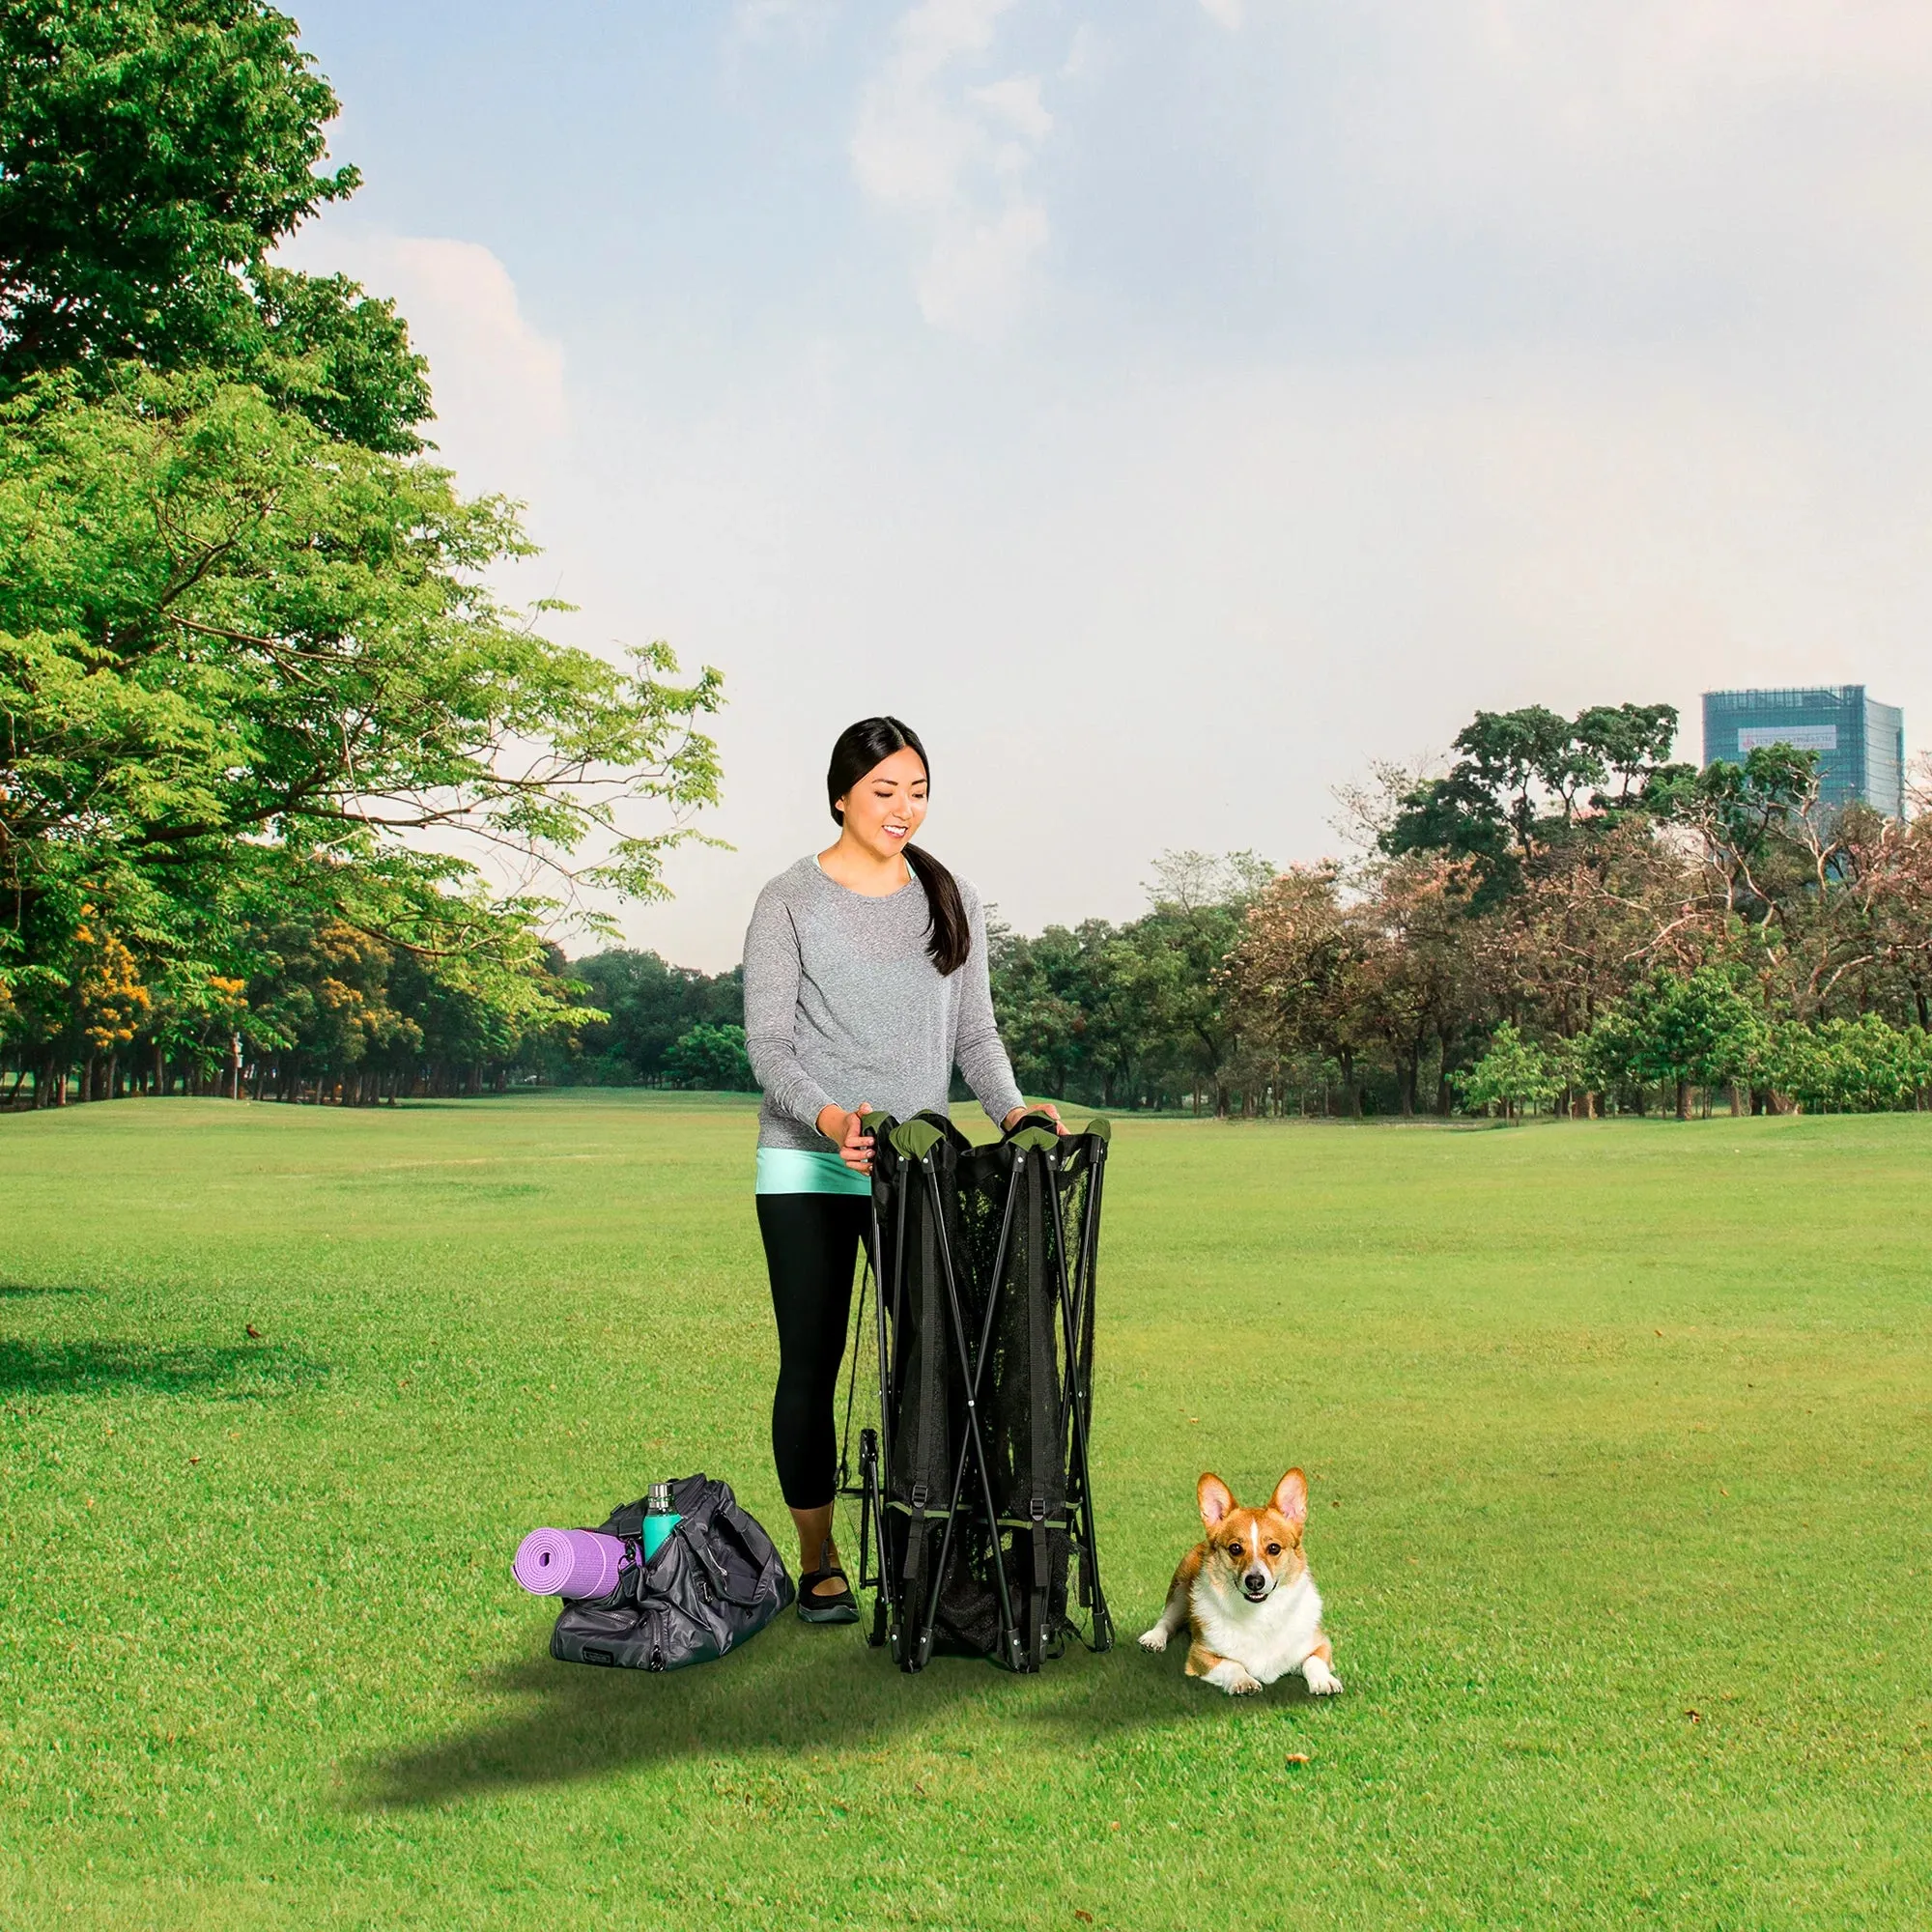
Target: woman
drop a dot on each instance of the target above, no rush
(865, 985)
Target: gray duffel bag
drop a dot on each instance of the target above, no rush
(717, 1581)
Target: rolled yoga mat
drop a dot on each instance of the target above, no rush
(568, 1563)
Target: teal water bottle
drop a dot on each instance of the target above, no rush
(659, 1519)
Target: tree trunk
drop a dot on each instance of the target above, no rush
(1352, 1094)
(1684, 1099)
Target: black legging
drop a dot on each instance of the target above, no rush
(812, 1241)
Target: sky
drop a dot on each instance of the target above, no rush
(1168, 407)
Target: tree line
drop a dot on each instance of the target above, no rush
(270, 747)
(1566, 918)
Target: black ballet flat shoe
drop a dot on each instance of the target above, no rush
(837, 1607)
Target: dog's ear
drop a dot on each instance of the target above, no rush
(1215, 1498)
(1290, 1498)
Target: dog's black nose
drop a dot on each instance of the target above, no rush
(1255, 1581)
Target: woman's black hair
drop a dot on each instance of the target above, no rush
(863, 747)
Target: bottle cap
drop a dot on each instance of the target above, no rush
(660, 1498)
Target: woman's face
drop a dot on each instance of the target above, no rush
(884, 808)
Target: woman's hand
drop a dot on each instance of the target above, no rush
(849, 1130)
(1046, 1107)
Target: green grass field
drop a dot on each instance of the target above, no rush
(1619, 1440)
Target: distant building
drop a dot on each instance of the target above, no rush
(1860, 742)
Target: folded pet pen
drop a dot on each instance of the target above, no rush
(975, 1484)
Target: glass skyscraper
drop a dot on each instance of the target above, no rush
(1860, 742)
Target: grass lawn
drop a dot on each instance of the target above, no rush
(1619, 1440)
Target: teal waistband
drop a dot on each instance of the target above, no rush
(807, 1170)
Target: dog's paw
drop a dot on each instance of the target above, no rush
(1321, 1681)
(1241, 1686)
(1155, 1639)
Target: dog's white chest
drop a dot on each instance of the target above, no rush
(1269, 1638)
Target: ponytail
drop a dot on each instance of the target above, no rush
(870, 743)
(949, 936)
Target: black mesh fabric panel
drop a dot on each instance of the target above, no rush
(921, 1228)
(1012, 1219)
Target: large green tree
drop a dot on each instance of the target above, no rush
(259, 710)
(153, 153)
(1702, 1028)
(243, 665)
(1529, 783)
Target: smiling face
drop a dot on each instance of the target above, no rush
(885, 807)
(1253, 1552)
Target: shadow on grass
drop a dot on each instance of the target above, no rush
(11, 1290)
(794, 1693)
(96, 1368)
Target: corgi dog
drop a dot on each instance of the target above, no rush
(1245, 1592)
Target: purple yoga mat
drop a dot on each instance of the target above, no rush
(568, 1563)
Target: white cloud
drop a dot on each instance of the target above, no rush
(1083, 51)
(971, 282)
(953, 160)
(1229, 13)
(1016, 100)
(499, 383)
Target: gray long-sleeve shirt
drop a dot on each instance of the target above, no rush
(843, 1006)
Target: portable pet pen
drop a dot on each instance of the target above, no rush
(974, 1486)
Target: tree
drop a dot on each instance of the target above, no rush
(325, 1007)
(1851, 1065)
(1529, 780)
(1417, 983)
(1136, 1013)
(1297, 973)
(243, 665)
(1749, 817)
(257, 702)
(1050, 997)
(153, 153)
(714, 1058)
(648, 1007)
(1514, 1073)
(1702, 1029)
(1167, 965)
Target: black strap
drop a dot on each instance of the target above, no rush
(852, 1384)
(915, 1532)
